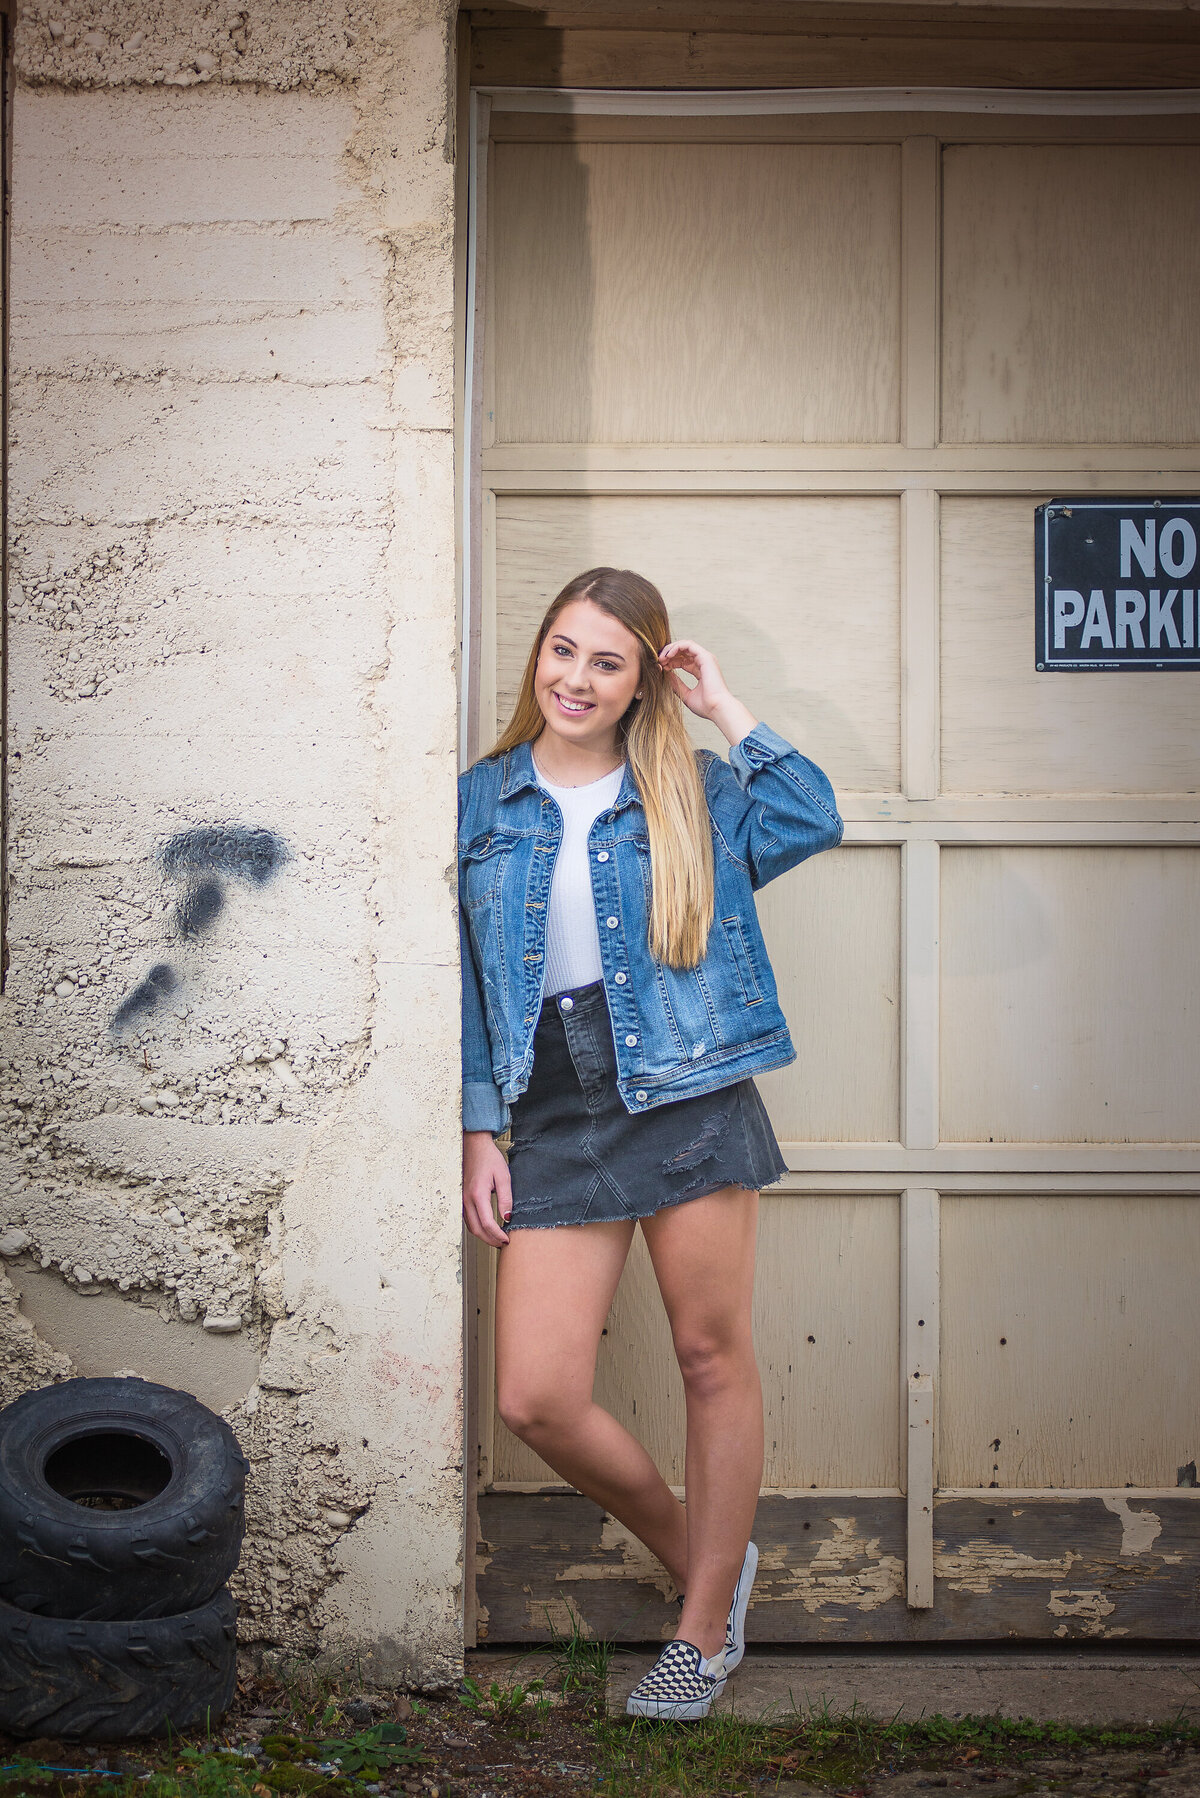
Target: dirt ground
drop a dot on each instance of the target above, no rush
(534, 1729)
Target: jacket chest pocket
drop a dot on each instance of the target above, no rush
(480, 868)
(641, 846)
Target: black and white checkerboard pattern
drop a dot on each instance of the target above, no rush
(681, 1683)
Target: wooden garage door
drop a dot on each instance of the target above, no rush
(812, 375)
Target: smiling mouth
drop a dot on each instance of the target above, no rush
(574, 708)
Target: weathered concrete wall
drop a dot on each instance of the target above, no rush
(230, 1028)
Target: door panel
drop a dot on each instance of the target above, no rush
(1070, 995)
(1068, 280)
(617, 268)
(1097, 1288)
(832, 930)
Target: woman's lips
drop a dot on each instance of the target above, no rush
(574, 708)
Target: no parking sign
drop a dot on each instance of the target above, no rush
(1117, 581)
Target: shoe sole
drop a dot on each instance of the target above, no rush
(741, 1603)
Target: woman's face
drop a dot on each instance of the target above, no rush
(588, 671)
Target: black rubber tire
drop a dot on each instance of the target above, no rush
(100, 1682)
(161, 1453)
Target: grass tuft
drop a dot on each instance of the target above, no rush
(580, 1662)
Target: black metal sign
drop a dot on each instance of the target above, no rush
(1117, 584)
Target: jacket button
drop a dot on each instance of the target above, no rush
(640, 1097)
(631, 1042)
(620, 979)
(611, 922)
(603, 856)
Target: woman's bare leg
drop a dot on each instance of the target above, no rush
(554, 1288)
(703, 1256)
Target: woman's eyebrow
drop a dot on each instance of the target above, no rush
(613, 655)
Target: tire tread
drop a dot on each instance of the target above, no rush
(104, 1681)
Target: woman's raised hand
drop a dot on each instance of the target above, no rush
(485, 1171)
(710, 698)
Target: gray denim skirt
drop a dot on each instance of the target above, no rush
(577, 1155)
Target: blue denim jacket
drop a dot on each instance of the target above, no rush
(676, 1033)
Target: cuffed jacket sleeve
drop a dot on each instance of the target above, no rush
(771, 806)
(482, 1106)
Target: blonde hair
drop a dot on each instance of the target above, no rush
(660, 756)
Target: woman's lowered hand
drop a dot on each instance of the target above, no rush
(485, 1172)
(710, 698)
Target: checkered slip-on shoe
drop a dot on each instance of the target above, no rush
(735, 1628)
(680, 1686)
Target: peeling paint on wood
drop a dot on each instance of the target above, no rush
(977, 1565)
(1046, 1566)
(636, 1561)
(1139, 1528)
(847, 1570)
(1091, 1608)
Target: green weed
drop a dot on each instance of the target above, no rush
(506, 1704)
(581, 1662)
(372, 1751)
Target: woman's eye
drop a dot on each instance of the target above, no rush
(607, 667)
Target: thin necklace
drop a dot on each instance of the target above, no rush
(577, 785)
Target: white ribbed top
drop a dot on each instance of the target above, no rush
(572, 939)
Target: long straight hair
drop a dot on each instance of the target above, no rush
(661, 760)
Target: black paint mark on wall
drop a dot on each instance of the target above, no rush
(199, 858)
(200, 906)
(224, 849)
(159, 984)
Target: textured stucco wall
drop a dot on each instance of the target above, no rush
(228, 1046)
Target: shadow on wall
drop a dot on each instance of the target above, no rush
(202, 860)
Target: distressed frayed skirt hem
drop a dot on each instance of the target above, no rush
(578, 1157)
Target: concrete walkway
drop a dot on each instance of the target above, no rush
(1068, 1688)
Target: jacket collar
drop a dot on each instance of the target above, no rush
(521, 776)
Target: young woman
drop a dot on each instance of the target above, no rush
(617, 1002)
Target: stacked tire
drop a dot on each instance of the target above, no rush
(122, 1511)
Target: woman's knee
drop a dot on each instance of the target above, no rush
(530, 1409)
(714, 1361)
